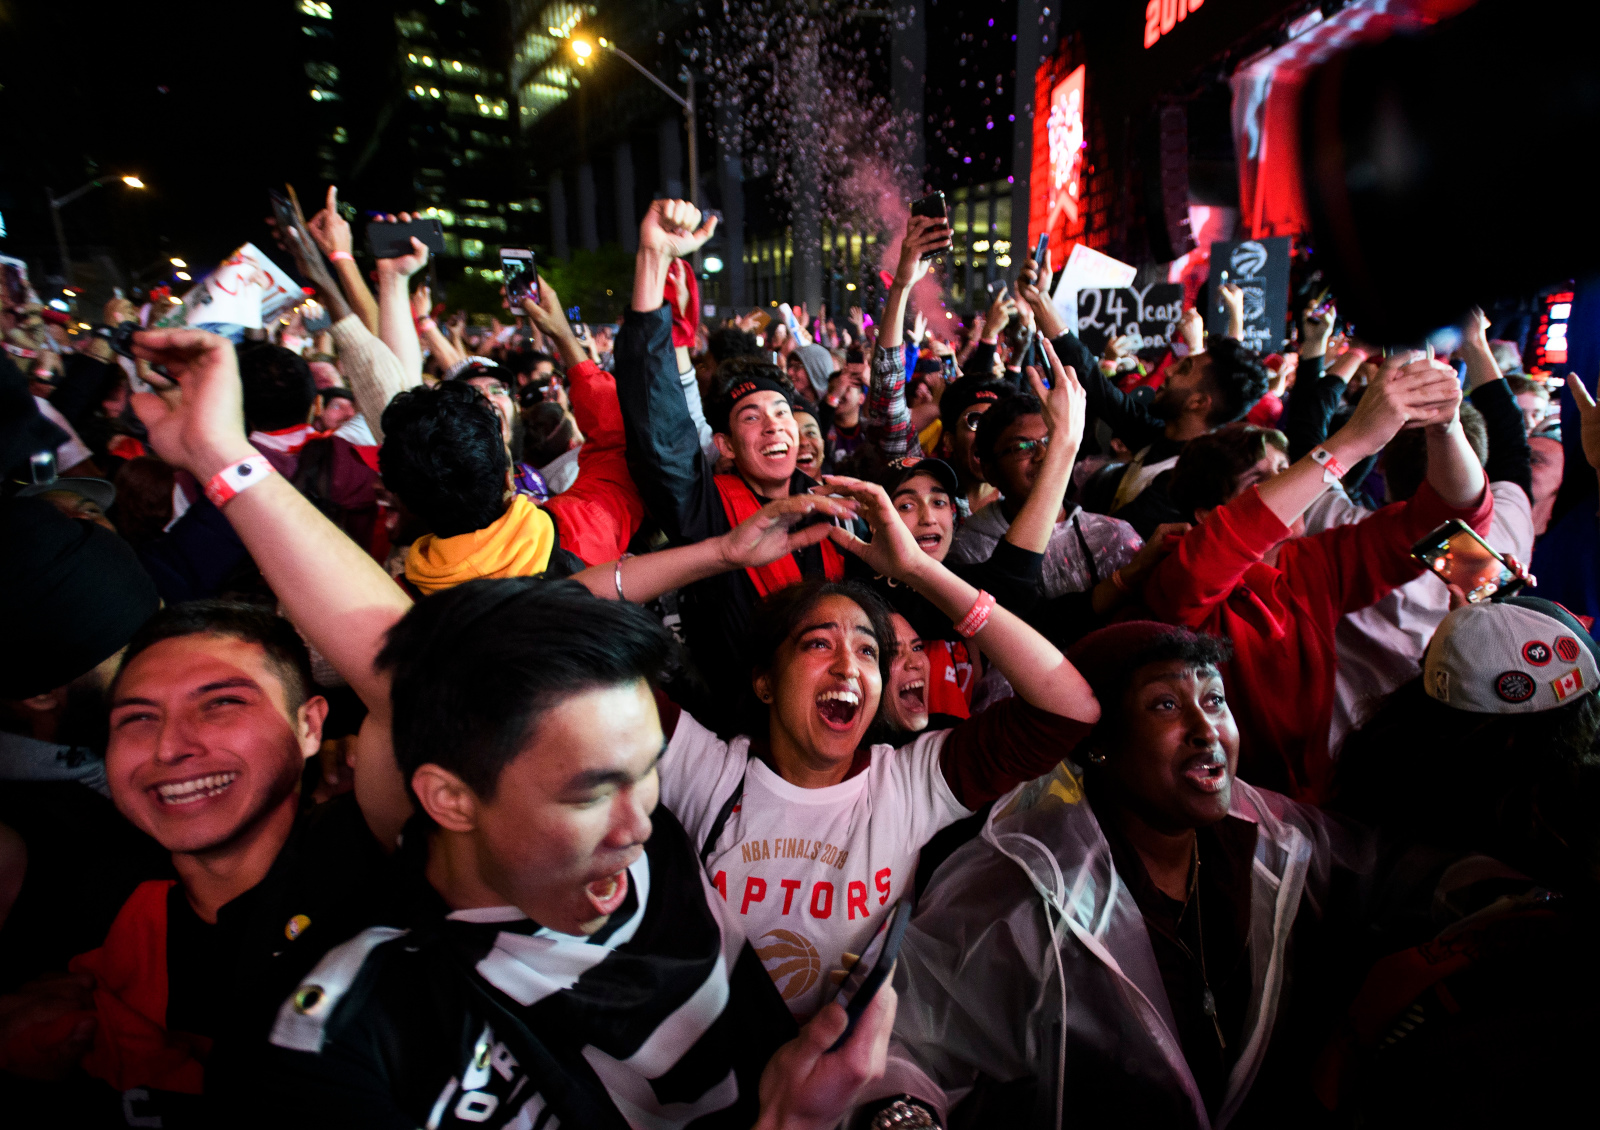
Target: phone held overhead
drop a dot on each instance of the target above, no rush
(521, 277)
(933, 207)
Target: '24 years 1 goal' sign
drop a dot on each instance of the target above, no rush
(1147, 316)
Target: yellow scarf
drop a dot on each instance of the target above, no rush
(518, 544)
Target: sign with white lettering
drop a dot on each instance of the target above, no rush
(1260, 268)
(1147, 316)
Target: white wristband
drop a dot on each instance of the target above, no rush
(241, 476)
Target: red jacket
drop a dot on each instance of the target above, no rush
(599, 513)
(1280, 620)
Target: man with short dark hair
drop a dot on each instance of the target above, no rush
(1202, 391)
(445, 455)
(751, 416)
(213, 716)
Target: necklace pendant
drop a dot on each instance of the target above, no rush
(1208, 1004)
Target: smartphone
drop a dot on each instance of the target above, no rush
(314, 318)
(1043, 249)
(391, 241)
(282, 212)
(932, 206)
(862, 983)
(520, 276)
(1458, 556)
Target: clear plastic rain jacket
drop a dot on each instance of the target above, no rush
(1028, 931)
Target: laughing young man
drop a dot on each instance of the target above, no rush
(562, 962)
(753, 424)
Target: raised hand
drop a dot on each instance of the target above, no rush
(674, 227)
(328, 228)
(893, 552)
(201, 429)
(406, 265)
(1192, 330)
(1001, 311)
(1065, 402)
(1315, 330)
(1588, 420)
(923, 234)
(1405, 393)
(421, 301)
(919, 328)
(769, 533)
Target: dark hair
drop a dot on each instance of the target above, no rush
(474, 667)
(445, 456)
(997, 419)
(286, 651)
(1405, 457)
(549, 431)
(1420, 770)
(278, 386)
(1236, 377)
(1210, 466)
(1519, 384)
(778, 616)
(729, 342)
(1111, 681)
(855, 356)
(963, 394)
(525, 361)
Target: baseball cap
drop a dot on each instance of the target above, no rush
(899, 470)
(98, 491)
(1521, 655)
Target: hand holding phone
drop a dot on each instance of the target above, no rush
(1458, 556)
(521, 277)
(873, 968)
(393, 240)
(932, 206)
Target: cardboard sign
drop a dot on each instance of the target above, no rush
(1147, 316)
(246, 289)
(1086, 267)
(1259, 267)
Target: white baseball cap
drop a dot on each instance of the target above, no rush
(1521, 655)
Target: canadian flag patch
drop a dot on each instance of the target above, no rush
(1568, 685)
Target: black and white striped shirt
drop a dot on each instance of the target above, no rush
(662, 1020)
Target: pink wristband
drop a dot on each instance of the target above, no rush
(341, 256)
(977, 616)
(234, 479)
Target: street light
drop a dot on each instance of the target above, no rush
(584, 50)
(56, 205)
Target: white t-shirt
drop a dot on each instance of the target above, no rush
(808, 873)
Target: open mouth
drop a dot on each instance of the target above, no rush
(606, 895)
(776, 451)
(929, 542)
(1208, 773)
(839, 707)
(805, 459)
(914, 695)
(197, 789)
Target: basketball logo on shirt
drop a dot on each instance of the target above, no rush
(792, 962)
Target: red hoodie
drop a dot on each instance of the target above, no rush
(1280, 620)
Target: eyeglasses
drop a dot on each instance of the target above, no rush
(1026, 446)
(970, 421)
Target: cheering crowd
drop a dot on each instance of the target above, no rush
(413, 724)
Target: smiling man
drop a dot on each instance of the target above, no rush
(752, 419)
(212, 720)
(1122, 943)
